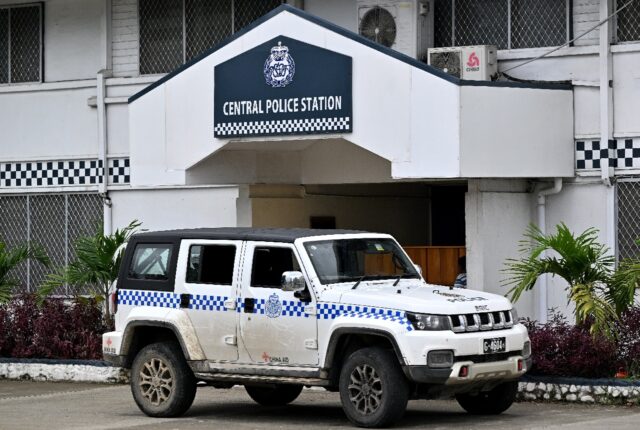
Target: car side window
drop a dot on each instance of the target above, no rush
(151, 262)
(211, 264)
(268, 265)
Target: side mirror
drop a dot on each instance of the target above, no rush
(418, 268)
(293, 281)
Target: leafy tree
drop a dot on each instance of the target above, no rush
(97, 262)
(10, 259)
(586, 265)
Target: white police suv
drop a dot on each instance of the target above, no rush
(279, 309)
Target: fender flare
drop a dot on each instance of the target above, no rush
(128, 335)
(342, 331)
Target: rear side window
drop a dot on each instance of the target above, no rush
(151, 262)
(269, 264)
(211, 264)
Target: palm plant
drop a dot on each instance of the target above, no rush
(626, 281)
(10, 258)
(586, 265)
(97, 263)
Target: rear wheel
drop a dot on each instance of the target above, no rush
(275, 395)
(373, 389)
(492, 402)
(162, 383)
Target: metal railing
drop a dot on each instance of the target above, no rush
(173, 32)
(53, 221)
(508, 24)
(21, 43)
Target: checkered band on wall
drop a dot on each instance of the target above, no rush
(625, 154)
(62, 173)
(279, 127)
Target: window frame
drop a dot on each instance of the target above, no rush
(259, 245)
(184, 35)
(9, 8)
(126, 283)
(568, 27)
(167, 270)
(205, 244)
(615, 35)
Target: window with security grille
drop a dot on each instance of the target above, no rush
(508, 24)
(20, 44)
(628, 22)
(173, 32)
(54, 222)
(628, 195)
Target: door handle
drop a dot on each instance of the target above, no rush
(249, 305)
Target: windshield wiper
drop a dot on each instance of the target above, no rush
(404, 275)
(362, 278)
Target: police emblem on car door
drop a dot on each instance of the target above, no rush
(277, 327)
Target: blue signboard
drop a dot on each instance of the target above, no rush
(283, 87)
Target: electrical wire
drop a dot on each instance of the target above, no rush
(572, 40)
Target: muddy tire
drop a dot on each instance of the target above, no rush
(492, 402)
(373, 390)
(162, 383)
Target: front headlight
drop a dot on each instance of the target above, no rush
(514, 315)
(429, 322)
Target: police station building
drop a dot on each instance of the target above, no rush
(324, 113)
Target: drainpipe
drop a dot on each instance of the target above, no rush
(607, 170)
(542, 225)
(102, 148)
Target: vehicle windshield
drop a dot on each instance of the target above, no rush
(346, 260)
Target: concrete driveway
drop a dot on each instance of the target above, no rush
(40, 405)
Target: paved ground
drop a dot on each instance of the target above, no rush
(33, 405)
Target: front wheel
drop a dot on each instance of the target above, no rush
(492, 402)
(162, 383)
(276, 395)
(373, 390)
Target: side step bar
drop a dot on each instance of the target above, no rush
(243, 379)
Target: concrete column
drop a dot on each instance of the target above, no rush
(497, 214)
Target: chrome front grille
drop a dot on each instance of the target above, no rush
(484, 321)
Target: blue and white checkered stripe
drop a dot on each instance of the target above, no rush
(290, 308)
(330, 311)
(207, 303)
(159, 299)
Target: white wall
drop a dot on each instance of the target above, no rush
(580, 205)
(626, 93)
(586, 14)
(73, 44)
(516, 132)
(165, 209)
(341, 12)
(580, 65)
(47, 125)
(497, 214)
(125, 42)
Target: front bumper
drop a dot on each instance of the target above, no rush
(504, 370)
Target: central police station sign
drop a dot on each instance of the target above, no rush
(283, 87)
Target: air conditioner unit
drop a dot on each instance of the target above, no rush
(478, 63)
(404, 25)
